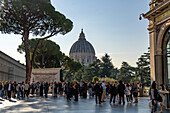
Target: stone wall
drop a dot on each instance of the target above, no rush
(47, 75)
(10, 69)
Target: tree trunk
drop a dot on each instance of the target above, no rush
(27, 57)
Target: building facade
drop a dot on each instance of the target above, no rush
(10, 69)
(159, 35)
(83, 51)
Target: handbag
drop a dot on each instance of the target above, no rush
(159, 98)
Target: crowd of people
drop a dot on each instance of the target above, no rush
(116, 91)
(101, 90)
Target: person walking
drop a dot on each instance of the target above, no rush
(75, 87)
(162, 93)
(84, 90)
(90, 89)
(135, 92)
(81, 88)
(68, 91)
(113, 93)
(5, 89)
(55, 89)
(131, 92)
(154, 93)
(22, 89)
(26, 90)
(127, 92)
(98, 92)
(37, 88)
(104, 91)
(1, 88)
(14, 89)
(18, 89)
(121, 89)
(9, 88)
(46, 88)
(41, 89)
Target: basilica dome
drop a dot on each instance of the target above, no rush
(83, 51)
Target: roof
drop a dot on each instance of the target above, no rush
(82, 45)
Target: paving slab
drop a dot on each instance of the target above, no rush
(60, 105)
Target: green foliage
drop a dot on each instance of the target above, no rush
(143, 69)
(36, 16)
(48, 53)
(106, 66)
(107, 79)
(95, 68)
(95, 78)
(78, 74)
(84, 74)
(70, 66)
(126, 72)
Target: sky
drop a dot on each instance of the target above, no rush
(111, 26)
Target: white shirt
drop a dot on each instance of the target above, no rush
(9, 87)
(103, 85)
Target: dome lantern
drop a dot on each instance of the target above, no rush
(82, 35)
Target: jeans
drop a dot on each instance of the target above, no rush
(18, 94)
(155, 105)
(46, 92)
(37, 93)
(90, 92)
(2, 93)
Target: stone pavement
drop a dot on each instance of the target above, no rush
(60, 105)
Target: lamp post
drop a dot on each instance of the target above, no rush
(140, 16)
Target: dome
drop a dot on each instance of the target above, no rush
(82, 45)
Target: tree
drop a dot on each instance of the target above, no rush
(106, 66)
(95, 68)
(126, 72)
(70, 67)
(48, 53)
(114, 73)
(36, 17)
(78, 74)
(88, 74)
(143, 68)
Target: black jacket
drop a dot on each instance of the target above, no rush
(121, 88)
(113, 90)
(98, 89)
(11, 87)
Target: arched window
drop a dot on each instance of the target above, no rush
(166, 58)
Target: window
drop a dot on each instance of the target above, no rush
(168, 60)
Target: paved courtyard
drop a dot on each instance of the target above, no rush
(60, 105)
